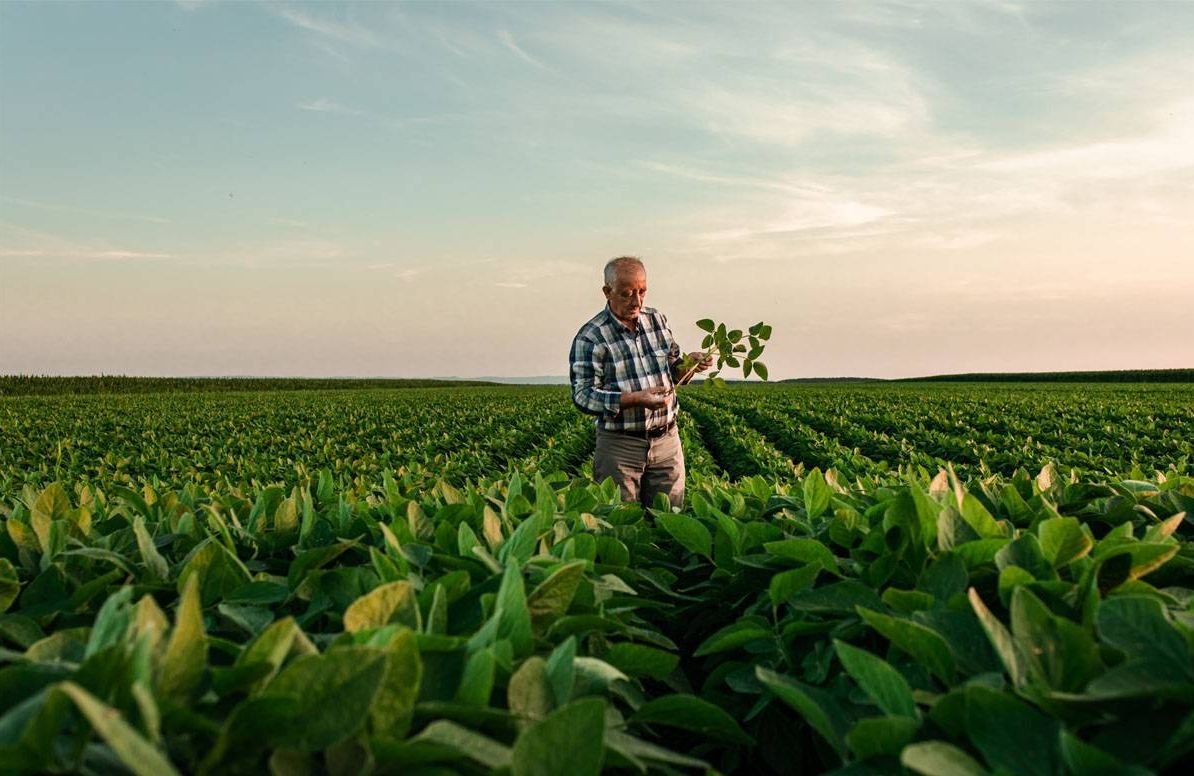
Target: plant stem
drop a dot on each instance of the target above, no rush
(692, 370)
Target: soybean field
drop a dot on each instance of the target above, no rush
(876, 578)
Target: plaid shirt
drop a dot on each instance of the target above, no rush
(607, 359)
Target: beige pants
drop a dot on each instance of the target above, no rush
(641, 466)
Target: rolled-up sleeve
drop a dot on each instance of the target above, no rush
(587, 373)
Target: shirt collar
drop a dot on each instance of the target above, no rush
(621, 327)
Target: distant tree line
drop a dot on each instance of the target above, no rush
(42, 385)
(1111, 376)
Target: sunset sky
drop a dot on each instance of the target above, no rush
(203, 188)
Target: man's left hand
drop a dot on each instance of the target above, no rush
(705, 361)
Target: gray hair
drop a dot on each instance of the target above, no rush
(614, 266)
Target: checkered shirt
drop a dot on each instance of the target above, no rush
(607, 359)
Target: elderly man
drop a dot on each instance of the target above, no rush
(624, 364)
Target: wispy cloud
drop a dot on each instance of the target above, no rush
(510, 284)
(327, 105)
(508, 41)
(83, 210)
(89, 254)
(350, 31)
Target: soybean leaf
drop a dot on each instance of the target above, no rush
(885, 686)
(1011, 735)
(641, 660)
(735, 635)
(333, 694)
(392, 708)
(529, 693)
(551, 599)
(819, 709)
(391, 602)
(922, 643)
(1008, 650)
(689, 712)
(570, 740)
(816, 492)
(135, 753)
(938, 758)
(465, 743)
(881, 736)
(689, 532)
(185, 658)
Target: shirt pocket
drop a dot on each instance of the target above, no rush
(660, 357)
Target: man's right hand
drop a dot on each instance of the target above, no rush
(651, 398)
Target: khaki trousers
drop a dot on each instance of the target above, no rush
(641, 466)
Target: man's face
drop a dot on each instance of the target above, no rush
(627, 294)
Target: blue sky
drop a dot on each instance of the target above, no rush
(432, 189)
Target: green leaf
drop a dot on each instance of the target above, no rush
(637, 751)
(881, 736)
(1011, 735)
(803, 551)
(786, 584)
(706, 324)
(816, 493)
(529, 693)
(1137, 625)
(978, 518)
(1060, 654)
(1063, 540)
(1008, 650)
(922, 643)
(270, 647)
(394, 704)
(551, 599)
(641, 660)
(946, 577)
(219, 571)
(688, 712)
(466, 743)
(466, 540)
(476, 683)
(689, 532)
(333, 694)
(938, 758)
(844, 596)
(185, 658)
(819, 709)
(51, 506)
(521, 544)
(384, 604)
(735, 635)
(571, 740)
(1081, 757)
(561, 671)
(1025, 552)
(511, 618)
(29, 727)
(154, 562)
(761, 369)
(137, 754)
(885, 686)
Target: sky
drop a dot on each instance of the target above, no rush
(432, 189)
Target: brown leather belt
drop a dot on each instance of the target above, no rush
(648, 433)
